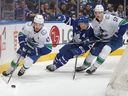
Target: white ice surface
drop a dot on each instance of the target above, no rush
(39, 82)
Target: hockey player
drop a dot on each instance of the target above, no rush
(34, 42)
(82, 33)
(110, 29)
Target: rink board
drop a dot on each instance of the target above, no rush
(51, 56)
(59, 33)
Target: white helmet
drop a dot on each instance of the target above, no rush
(39, 19)
(99, 8)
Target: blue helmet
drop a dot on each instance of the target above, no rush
(83, 19)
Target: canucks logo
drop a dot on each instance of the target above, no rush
(32, 42)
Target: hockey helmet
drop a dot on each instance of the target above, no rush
(39, 19)
(83, 19)
(99, 8)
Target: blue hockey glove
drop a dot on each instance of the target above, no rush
(26, 46)
(22, 40)
(87, 41)
(76, 38)
(61, 17)
(101, 36)
(77, 51)
(28, 49)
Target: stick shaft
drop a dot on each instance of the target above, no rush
(74, 73)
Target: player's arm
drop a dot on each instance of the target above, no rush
(22, 37)
(65, 19)
(123, 26)
(45, 39)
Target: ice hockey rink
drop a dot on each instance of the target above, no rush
(39, 82)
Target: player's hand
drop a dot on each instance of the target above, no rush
(101, 36)
(25, 47)
(76, 38)
(61, 17)
(87, 41)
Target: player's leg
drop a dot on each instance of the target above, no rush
(100, 59)
(107, 49)
(86, 63)
(28, 61)
(31, 58)
(115, 43)
(20, 55)
(94, 52)
(63, 57)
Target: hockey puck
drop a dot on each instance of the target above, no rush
(13, 86)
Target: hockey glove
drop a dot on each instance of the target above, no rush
(27, 46)
(87, 41)
(101, 36)
(61, 17)
(76, 38)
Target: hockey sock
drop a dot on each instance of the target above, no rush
(89, 60)
(103, 55)
(28, 62)
(86, 63)
(13, 64)
(99, 61)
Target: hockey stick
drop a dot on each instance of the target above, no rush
(13, 70)
(76, 58)
(89, 42)
(74, 73)
(17, 63)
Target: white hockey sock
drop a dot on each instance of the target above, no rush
(28, 62)
(103, 55)
(89, 59)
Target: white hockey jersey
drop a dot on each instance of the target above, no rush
(109, 25)
(39, 38)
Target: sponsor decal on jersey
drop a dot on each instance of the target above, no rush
(55, 35)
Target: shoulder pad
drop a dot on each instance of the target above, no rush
(43, 31)
(28, 24)
(107, 16)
